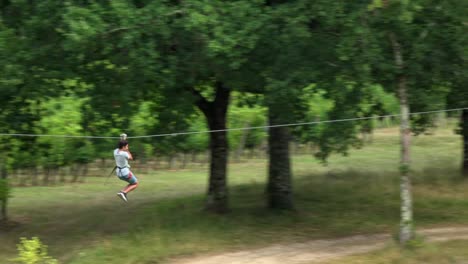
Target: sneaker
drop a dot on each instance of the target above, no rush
(122, 196)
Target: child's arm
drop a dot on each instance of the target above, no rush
(130, 157)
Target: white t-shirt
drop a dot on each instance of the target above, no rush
(121, 160)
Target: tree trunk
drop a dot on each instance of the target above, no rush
(217, 192)
(4, 215)
(185, 160)
(35, 176)
(194, 157)
(15, 176)
(293, 148)
(157, 163)
(75, 169)
(464, 133)
(406, 221)
(279, 188)
(84, 172)
(216, 113)
(205, 159)
(251, 154)
(171, 161)
(62, 174)
(23, 177)
(45, 180)
(406, 231)
(53, 173)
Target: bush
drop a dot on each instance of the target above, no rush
(32, 251)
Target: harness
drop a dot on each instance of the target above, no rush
(120, 168)
(117, 167)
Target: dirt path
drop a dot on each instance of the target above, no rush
(316, 251)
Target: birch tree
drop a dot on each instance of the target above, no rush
(416, 41)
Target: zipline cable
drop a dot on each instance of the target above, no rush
(236, 129)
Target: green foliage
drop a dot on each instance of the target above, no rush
(62, 116)
(405, 169)
(142, 123)
(83, 24)
(353, 101)
(375, 4)
(241, 117)
(33, 251)
(431, 42)
(107, 67)
(200, 141)
(318, 108)
(415, 243)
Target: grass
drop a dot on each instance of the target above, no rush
(434, 253)
(86, 223)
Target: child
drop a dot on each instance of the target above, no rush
(122, 155)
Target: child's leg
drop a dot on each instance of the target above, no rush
(133, 183)
(130, 187)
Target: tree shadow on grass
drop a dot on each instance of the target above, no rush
(339, 203)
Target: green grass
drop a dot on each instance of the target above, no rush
(433, 253)
(86, 223)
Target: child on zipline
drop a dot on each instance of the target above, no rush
(122, 155)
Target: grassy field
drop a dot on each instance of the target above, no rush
(86, 223)
(435, 253)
